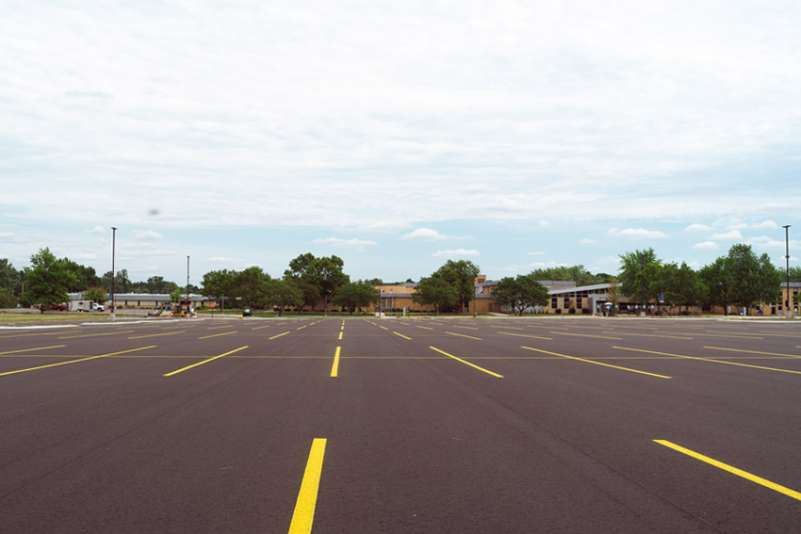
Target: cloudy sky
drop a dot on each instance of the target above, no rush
(397, 135)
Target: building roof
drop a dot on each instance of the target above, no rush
(575, 289)
(156, 297)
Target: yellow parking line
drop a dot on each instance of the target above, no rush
(469, 364)
(202, 362)
(594, 362)
(383, 327)
(401, 335)
(335, 363)
(76, 336)
(712, 360)
(69, 362)
(466, 327)
(301, 327)
(560, 333)
(738, 336)
(686, 338)
(278, 335)
(463, 335)
(339, 337)
(303, 515)
(260, 327)
(32, 349)
(423, 327)
(793, 494)
(524, 335)
(218, 335)
(712, 347)
(143, 336)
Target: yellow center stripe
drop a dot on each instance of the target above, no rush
(32, 349)
(469, 364)
(712, 347)
(279, 335)
(303, 516)
(335, 363)
(69, 362)
(463, 335)
(218, 335)
(401, 335)
(524, 335)
(203, 362)
(339, 337)
(793, 494)
(594, 362)
(712, 360)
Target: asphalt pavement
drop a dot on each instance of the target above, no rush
(449, 425)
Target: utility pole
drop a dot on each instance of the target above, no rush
(787, 296)
(187, 278)
(113, 273)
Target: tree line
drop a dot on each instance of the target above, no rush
(741, 278)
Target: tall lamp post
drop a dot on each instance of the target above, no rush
(787, 296)
(113, 274)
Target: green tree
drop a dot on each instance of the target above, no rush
(122, 283)
(577, 273)
(309, 292)
(750, 279)
(795, 274)
(249, 287)
(685, 287)
(157, 284)
(9, 276)
(713, 276)
(639, 271)
(437, 292)
(283, 295)
(461, 275)
(520, 293)
(47, 280)
(7, 298)
(82, 276)
(219, 283)
(325, 274)
(356, 295)
(176, 295)
(96, 294)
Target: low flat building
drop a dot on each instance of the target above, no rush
(136, 300)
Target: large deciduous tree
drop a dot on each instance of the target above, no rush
(521, 293)
(321, 274)
(282, 295)
(639, 271)
(460, 275)
(436, 291)
(47, 280)
(356, 295)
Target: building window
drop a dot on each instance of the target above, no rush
(554, 303)
(566, 302)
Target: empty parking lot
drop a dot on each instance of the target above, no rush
(402, 425)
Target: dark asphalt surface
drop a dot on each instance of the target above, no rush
(416, 441)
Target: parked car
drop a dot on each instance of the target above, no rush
(98, 308)
(247, 312)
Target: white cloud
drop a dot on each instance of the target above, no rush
(345, 243)
(545, 264)
(764, 241)
(731, 235)
(148, 235)
(637, 233)
(456, 252)
(222, 259)
(697, 227)
(537, 253)
(587, 241)
(766, 225)
(428, 234)
(706, 245)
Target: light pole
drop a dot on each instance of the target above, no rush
(113, 253)
(189, 303)
(787, 303)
